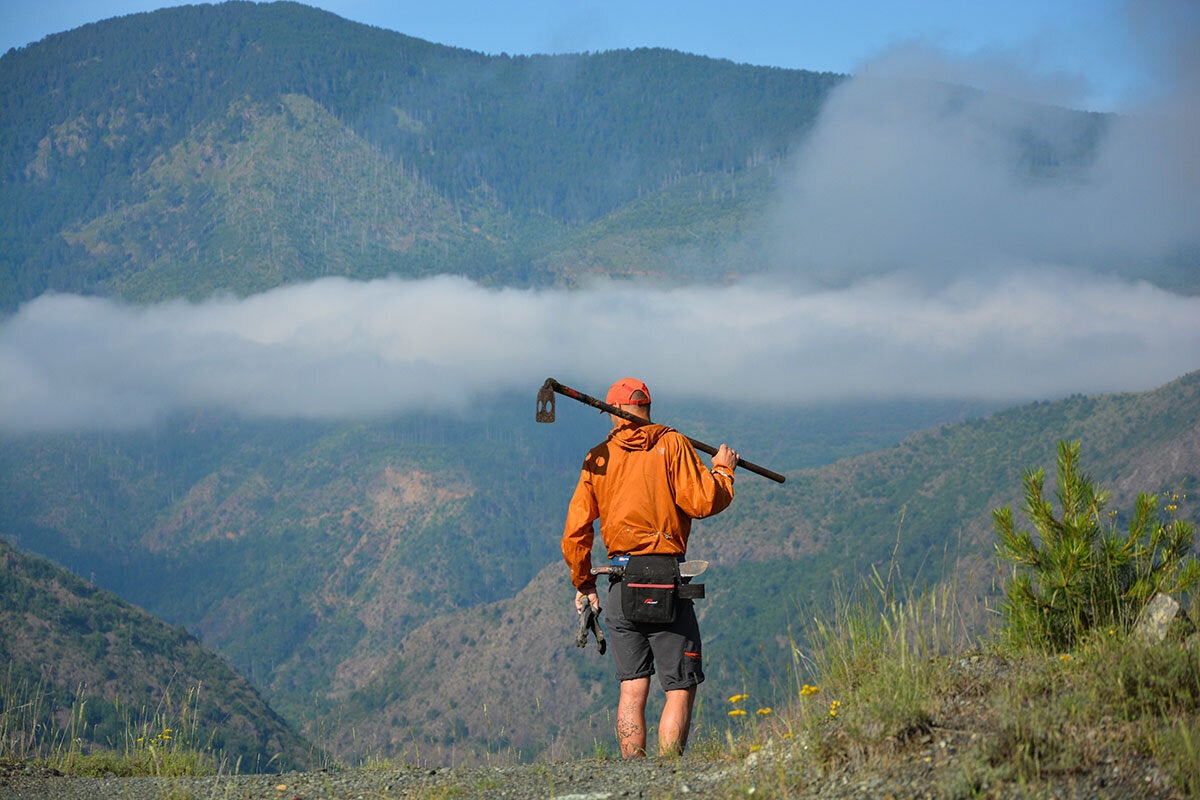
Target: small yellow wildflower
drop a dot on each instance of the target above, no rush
(737, 698)
(834, 706)
(1112, 631)
(806, 690)
(755, 748)
(737, 712)
(764, 712)
(1065, 657)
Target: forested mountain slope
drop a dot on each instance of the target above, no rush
(273, 142)
(73, 650)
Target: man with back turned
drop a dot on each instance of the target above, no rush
(645, 483)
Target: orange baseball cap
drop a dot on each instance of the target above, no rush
(621, 393)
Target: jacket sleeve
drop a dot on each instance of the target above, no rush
(699, 491)
(578, 535)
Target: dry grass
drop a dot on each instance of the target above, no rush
(907, 702)
(160, 742)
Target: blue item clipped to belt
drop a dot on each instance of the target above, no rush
(620, 561)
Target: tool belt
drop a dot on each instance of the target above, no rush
(652, 588)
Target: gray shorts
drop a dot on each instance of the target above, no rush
(640, 649)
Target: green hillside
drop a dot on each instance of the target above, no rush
(79, 659)
(565, 135)
(927, 501)
(293, 195)
(246, 145)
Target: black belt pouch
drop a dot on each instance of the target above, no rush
(650, 589)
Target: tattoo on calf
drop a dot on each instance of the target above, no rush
(629, 734)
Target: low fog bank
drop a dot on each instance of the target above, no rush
(341, 349)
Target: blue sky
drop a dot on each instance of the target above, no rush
(1096, 48)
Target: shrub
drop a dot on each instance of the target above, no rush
(1080, 573)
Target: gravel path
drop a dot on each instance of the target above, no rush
(576, 780)
(926, 770)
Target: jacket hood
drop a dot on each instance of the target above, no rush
(637, 437)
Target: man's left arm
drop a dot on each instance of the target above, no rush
(700, 491)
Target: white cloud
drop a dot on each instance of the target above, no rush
(906, 171)
(340, 349)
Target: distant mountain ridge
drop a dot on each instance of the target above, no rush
(460, 118)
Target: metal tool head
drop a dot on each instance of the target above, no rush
(545, 402)
(690, 569)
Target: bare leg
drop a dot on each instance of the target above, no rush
(631, 717)
(676, 721)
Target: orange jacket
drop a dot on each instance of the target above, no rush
(645, 484)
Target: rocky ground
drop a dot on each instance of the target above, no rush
(575, 780)
(924, 770)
